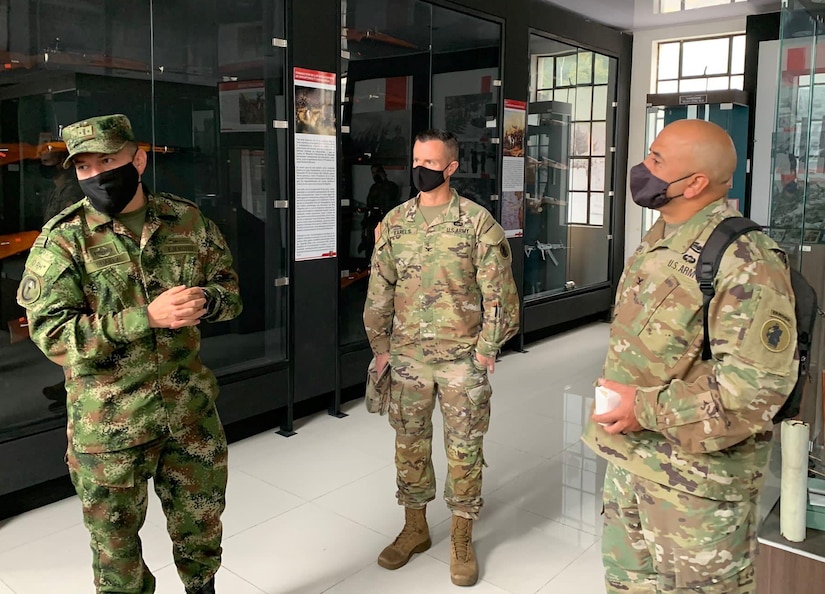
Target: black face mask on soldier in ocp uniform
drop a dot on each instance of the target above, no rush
(647, 190)
(427, 180)
(110, 191)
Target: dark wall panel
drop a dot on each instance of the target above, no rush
(759, 28)
(315, 43)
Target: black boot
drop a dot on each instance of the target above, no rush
(207, 588)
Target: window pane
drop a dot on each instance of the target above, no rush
(737, 82)
(705, 56)
(718, 83)
(544, 96)
(566, 70)
(668, 60)
(585, 68)
(597, 174)
(584, 100)
(670, 6)
(545, 68)
(693, 84)
(581, 139)
(577, 213)
(691, 4)
(737, 64)
(598, 139)
(668, 86)
(597, 209)
(601, 70)
(600, 103)
(579, 174)
(563, 95)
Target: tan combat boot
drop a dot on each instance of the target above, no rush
(414, 538)
(463, 564)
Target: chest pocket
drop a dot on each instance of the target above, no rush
(669, 323)
(405, 245)
(180, 257)
(108, 270)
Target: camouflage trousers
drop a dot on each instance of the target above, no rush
(463, 390)
(190, 473)
(658, 539)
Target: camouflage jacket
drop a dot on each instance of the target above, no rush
(437, 292)
(86, 288)
(707, 423)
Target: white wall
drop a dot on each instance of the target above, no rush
(641, 84)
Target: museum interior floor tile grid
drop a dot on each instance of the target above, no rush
(309, 514)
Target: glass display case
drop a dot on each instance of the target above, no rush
(408, 66)
(201, 113)
(797, 203)
(546, 197)
(729, 109)
(568, 169)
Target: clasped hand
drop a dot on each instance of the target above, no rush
(177, 307)
(621, 419)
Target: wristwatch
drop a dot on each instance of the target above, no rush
(210, 301)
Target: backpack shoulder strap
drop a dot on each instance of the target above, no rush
(707, 266)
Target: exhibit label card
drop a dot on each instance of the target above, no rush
(512, 178)
(316, 185)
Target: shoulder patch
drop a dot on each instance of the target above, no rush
(776, 335)
(31, 287)
(493, 235)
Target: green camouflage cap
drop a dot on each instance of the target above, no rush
(103, 134)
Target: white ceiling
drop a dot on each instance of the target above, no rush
(633, 15)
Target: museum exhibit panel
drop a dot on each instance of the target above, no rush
(290, 123)
(797, 223)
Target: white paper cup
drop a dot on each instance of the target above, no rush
(606, 400)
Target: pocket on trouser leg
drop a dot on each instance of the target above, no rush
(114, 507)
(722, 567)
(478, 414)
(395, 409)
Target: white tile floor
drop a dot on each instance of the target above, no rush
(310, 514)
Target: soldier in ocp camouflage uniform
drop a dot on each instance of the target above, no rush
(114, 288)
(689, 442)
(441, 303)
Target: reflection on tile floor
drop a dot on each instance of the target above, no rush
(310, 514)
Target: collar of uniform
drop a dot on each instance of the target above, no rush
(452, 214)
(692, 229)
(155, 208)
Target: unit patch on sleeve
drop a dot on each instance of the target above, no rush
(776, 335)
(30, 289)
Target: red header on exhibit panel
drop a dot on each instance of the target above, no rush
(513, 104)
(314, 77)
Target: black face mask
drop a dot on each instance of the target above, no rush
(427, 180)
(110, 191)
(377, 179)
(647, 190)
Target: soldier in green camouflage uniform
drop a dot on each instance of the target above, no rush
(689, 442)
(441, 303)
(114, 289)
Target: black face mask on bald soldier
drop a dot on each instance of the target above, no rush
(647, 190)
(110, 191)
